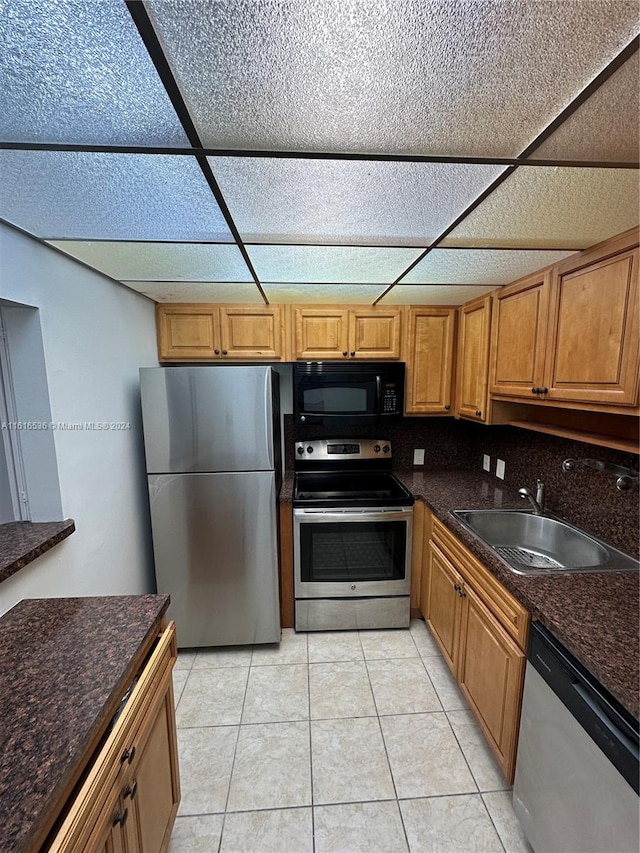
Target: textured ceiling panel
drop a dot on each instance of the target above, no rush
(433, 294)
(331, 294)
(197, 291)
(109, 196)
(553, 206)
(344, 201)
(160, 261)
(77, 71)
(605, 127)
(330, 264)
(479, 266)
(479, 77)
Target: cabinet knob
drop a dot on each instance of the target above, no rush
(120, 818)
(543, 390)
(447, 408)
(353, 354)
(478, 413)
(128, 755)
(216, 352)
(131, 790)
(345, 353)
(224, 352)
(535, 390)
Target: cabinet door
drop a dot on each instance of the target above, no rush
(251, 332)
(155, 793)
(592, 355)
(490, 673)
(444, 605)
(321, 333)
(430, 364)
(187, 332)
(374, 333)
(473, 359)
(520, 313)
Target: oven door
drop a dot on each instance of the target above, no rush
(352, 552)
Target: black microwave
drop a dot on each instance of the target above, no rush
(337, 394)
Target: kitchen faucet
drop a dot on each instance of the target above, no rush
(538, 502)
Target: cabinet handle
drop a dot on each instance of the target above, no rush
(120, 818)
(543, 390)
(216, 352)
(447, 408)
(128, 755)
(463, 594)
(353, 354)
(131, 790)
(535, 390)
(478, 413)
(456, 586)
(345, 353)
(224, 352)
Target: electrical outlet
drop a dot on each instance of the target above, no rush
(418, 457)
(486, 462)
(500, 469)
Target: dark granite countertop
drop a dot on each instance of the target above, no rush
(64, 665)
(595, 615)
(22, 541)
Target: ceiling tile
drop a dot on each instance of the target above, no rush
(329, 294)
(346, 201)
(482, 77)
(479, 266)
(434, 294)
(330, 264)
(198, 291)
(553, 206)
(67, 195)
(77, 71)
(160, 261)
(605, 127)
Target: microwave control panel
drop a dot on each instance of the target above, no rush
(390, 405)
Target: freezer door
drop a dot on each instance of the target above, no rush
(207, 419)
(215, 545)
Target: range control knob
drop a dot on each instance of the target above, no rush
(386, 448)
(309, 449)
(300, 450)
(376, 448)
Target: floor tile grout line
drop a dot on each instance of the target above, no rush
(490, 816)
(313, 820)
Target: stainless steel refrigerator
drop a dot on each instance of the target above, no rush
(212, 445)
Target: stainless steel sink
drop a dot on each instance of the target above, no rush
(538, 544)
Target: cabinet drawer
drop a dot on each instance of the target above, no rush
(508, 611)
(113, 765)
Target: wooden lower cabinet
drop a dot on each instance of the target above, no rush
(130, 796)
(478, 628)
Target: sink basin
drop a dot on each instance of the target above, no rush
(538, 544)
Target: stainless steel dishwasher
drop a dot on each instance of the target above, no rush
(576, 783)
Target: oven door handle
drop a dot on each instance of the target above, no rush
(381, 514)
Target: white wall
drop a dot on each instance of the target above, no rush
(96, 334)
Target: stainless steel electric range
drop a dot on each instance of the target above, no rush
(353, 524)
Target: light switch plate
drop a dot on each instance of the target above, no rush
(486, 462)
(500, 469)
(418, 457)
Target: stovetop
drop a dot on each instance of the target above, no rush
(347, 473)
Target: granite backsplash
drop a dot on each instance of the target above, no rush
(584, 497)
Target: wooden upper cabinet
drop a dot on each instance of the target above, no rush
(374, 333)
(520, 314)
(320, 333)
(592, 350)
(187, 332)
(326, 333)
(430, 360)
(213, 332)
(472, 378)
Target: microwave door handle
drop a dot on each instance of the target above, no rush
(378, 393)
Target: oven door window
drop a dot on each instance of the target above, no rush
(360, 551)
(339, 398)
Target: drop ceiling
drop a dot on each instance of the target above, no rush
(394, 151)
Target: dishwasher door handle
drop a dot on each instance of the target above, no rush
(604, 718)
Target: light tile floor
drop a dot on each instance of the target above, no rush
(352, 742)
